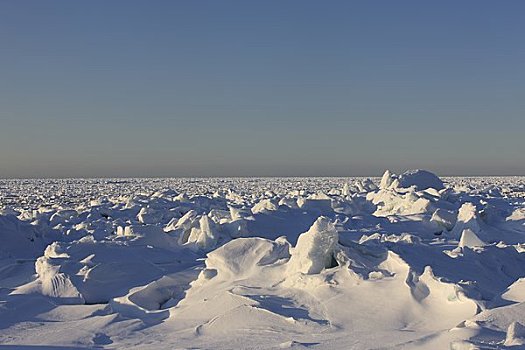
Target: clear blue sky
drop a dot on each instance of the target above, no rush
(213, 88)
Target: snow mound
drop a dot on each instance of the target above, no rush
(243, 256)
(421, 180)
(19, 239)
(93, 271)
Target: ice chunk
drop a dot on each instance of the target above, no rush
(516, 291)
(240, 213)
(346, 189)
(444, 218)
(470, 239)
(204, 236)
(62, 216)
(288, 202)
(264, 206)
(315, 248)
(183, 225)
(467, 219)
(387, 180)
(149, 215)
(515, 334)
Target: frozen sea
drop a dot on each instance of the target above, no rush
(407, 261)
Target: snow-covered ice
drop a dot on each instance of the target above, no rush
(406, 261)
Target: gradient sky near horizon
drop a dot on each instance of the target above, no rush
(261, 88)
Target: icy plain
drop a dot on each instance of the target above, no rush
(405, 261)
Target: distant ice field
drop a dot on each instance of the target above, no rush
(31, 193)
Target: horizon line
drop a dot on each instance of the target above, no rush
(228, 177)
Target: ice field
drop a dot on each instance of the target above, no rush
(407, 261)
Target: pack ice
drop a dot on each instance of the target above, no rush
(406, 261)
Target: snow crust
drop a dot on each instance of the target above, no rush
(406, 261)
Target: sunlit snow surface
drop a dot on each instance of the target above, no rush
(263, 263)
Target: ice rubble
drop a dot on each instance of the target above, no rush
(255, 277)
(203, 235)
(406, 260)
(89, 271)
(413, 192)
(418, 179)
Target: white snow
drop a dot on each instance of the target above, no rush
(405, 261)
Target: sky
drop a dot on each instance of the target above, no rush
(261, 88)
